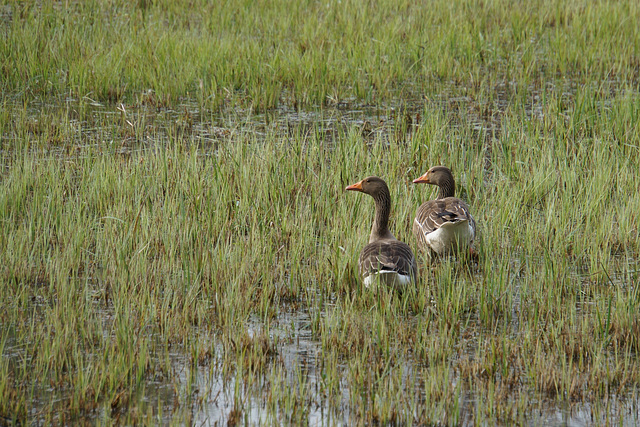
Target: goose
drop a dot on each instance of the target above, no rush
(384, 258)
(443, 226)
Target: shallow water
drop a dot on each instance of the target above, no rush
(301, 355)
(205, 395)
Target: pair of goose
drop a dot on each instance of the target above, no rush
(442, 226)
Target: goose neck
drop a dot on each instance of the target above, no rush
(447, 188)
(380, 228)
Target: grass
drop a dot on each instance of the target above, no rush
(178, 246)
(309, 53)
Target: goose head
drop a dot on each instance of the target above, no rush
(437, 175)
(440, 176)
(372, 185)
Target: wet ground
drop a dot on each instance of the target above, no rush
(215, 394)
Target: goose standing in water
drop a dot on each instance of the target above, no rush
(443, 226)
(385, 258)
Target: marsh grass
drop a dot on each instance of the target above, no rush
(159, 236)
(309, 53)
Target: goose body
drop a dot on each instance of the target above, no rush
(445, 225)
(384, 259)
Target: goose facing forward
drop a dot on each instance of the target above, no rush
(443, 226)
(384, 258)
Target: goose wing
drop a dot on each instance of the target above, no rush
(394, 256)
(435, 214)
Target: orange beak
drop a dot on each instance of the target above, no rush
(422, 180)
(355, 187)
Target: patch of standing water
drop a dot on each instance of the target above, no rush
(223, 398)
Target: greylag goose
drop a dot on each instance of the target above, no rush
(384, 258)
(444, 225)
